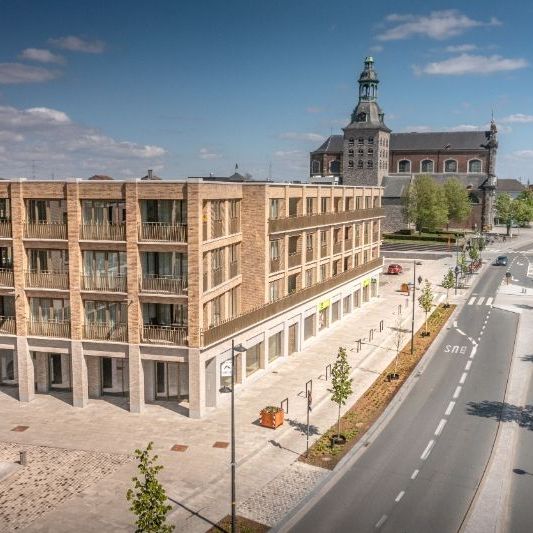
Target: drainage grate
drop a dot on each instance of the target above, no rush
(179, 448)
(20, 429)
(220, 444)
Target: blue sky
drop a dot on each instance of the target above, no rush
(191, 88)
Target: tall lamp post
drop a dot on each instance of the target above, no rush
(456, 277)
(413, 310)
(239, 349)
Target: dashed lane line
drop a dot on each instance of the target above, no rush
(400, 496)
(468, 365)
(427, 451)
(463, 378)
(440, 427)
(414, 474)
(457, 392)
(381, 521)
(449, 410)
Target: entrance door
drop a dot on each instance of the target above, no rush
(293, 338)
(323, 319)
(8, 374)
(171, 381)
(59, 371)
(115, 376)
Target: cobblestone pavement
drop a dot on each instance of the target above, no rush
(52, 476)
(273, 501)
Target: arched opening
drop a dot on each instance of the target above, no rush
(404, 165)
(315, 166)
(335, 166)
(426, 165)
(474, 165)
(450, 165)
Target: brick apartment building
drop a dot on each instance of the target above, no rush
(368, 153)
(137, 288)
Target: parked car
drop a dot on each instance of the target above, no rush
(501, 260)
(394, 269)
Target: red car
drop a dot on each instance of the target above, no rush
(394, 269)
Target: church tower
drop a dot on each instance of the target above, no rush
(366, 138)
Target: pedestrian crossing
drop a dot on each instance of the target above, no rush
(480, 300)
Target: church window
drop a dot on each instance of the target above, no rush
(360, 141)
(426, 165)
(350, 152)
(351, 141)
(371, 151)
(370, 164)
(360, 151)
(404, 166)
(315, 166)
(474, 165)
(450, 165)
(350, 163)
(371, 140)
(360, 163)
(335, 167)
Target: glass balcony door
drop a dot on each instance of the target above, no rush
(49, 309)
(171, 381)
(8, 367)
(164, 314)
(164, 264)
(114, 376)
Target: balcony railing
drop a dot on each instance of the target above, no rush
(217, 228)
(337, 247)
(6, 277)
(276, 265)
(348, 244)
(216, 277)
(295, 259)
(165, 335)
(7, 325)
(168, 284)
(103, 232)
(233, 269)
(45, 230)
(322, 219)
(234, 225)
(47, 280)
(256, 316)
(5, 229)
(104, 282)
(161, 231)
(49, 328)
(309, 254)
(106, 332)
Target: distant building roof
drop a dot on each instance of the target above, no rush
(395, 186)
(100, 177)
(434, 141)
(510, 185)
(333, 144)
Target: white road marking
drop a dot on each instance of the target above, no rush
(489, 301)
(440, 427)
(400, 496)
(483, 327)
(449, 410)
(457, 392)
(428, 449)
(472, 300)
(463, 378)
(480, 300)
(414, 474)
(381, 521)
(461, 332)
(481, 333)
(468, 365)
(455, 323)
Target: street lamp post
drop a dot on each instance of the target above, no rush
(456, 277)
(413, 310)
(239, 348)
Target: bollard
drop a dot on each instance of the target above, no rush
(328, 368)
(23, 458)
(381, 326)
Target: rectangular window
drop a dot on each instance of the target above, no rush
(309, 241)
(275, 208)
(323, 238)
(234, 208)
(323, 272)
(275, 346)
(233, 302)
(274, 250)
(310, 205)
(292, 283)
(273, 289)
(348, 204)
(358, 202)
(253, 358)
(309, 277)
(324, 205)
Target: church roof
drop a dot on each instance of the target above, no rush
(333, 144)
(433, 141)
(510, 185)
(395, 186)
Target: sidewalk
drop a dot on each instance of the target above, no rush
(197, 478)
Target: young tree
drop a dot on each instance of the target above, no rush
(448, 283)
(473, 252)
(504, 210)
(425, 204)
(425, 301)
(457, 200)
(148, 497)
(341, 383)
(399, 335)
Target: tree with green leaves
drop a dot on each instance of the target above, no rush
(425, 301)
(504, 211)
(448, 283)
(457, 200)
(148, 497)
(425, 204)
(341, 383)
(473, 251)
(399, 336)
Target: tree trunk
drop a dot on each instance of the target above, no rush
(339, 422)
(426, 323)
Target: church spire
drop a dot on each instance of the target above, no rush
(368, 82)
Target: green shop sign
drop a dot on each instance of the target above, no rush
(324, 305)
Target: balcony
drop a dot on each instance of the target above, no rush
(47, 280)
(348, 244)
(276, 265)
(234, 225)
(7, 325)
(45, 230)
(5, 229)
(234, 325)
(104, 282)
(49, 328)
(161, 231)
(323, 250)
(6, 277)
(106, 332)
(337, 247)
(233, 269)
(165, 335)
(295, 259)
(217, 229)
(309, 255)
(167, 284)
(322, 219)
(103, 232)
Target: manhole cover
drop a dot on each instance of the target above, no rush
(179, 448)
(220, 444)
(20, 429)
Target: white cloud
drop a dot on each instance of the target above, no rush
(524, 154)
(518, 118)
(77, 44)
(460, 48)
(437, 25)
(376, 48)
(13, 73)
(296, 136)
(41, 55)
(466, 127)
(419, 129)
(60, 146)
(471, 64)
(289, 154)
(205, 153)
(314, 109)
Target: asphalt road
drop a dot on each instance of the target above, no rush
(421, 472)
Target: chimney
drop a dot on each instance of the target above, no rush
(150, 174)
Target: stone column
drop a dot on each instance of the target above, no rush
(80, 376)
(26, 375)
(74, 257)
(94, 377)
(41, 372)
(149, 380)
(196, 384)
(132, 258)
(136, 379)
